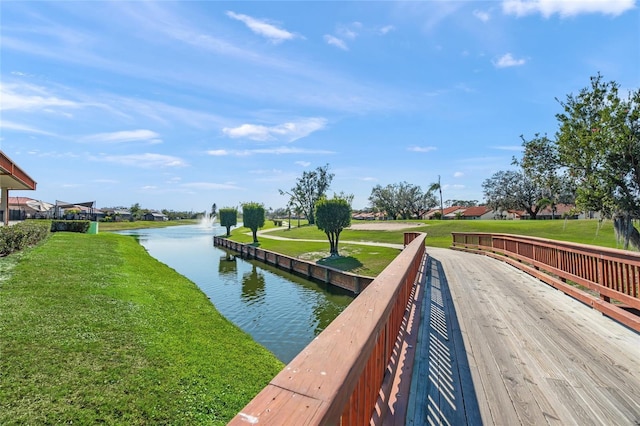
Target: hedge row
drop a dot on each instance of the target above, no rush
(21, 235)
(81, 226)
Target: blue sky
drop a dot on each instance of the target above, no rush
(179, 105)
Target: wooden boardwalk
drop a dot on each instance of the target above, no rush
(499, 347)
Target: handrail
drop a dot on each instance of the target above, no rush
(613, 274)
(336, 379)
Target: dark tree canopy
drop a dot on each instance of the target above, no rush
(402, 200)
(309, 188)
(253, 215)
(599, 143)
(512, 189)
(332, 216)
(540, 164)
(228, 218)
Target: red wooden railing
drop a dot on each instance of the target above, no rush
(337, 378)
(613, 275)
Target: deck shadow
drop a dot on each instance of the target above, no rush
(442, 389)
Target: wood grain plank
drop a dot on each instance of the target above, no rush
(536, 355)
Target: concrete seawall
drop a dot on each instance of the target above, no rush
(345, 280)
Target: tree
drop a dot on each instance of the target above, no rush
(309, 188)
(461, 203)
(402, 199)
(136, 211)
(514, 190)
(253, 218)
(384, 199)
(228, 218)
(333, 215)
(599, 143)
(541, 164)
(436, 186)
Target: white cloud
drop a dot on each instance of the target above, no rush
(303, 163)
(350, 31)
(508, 147)
(482, 15)
(289, 132)
(566, 8)
(422, 148)
(124, 136)
(369, 179)
(218, 152)
(270, 151)
(386, 29)
(209, 185)
(263, 28)
(147, 160)
(335, 41)
(35, 98)
(458, 174)
(8, 125)
(507, 60)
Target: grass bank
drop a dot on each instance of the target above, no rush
(140, 224)
(94, 330)
(368, 260)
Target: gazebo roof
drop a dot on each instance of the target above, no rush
(12, 176)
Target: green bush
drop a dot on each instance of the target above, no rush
(22, 235)
(81, 226)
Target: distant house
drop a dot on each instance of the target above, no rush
(561, 211)
(118, 215)
(155, 216)
(19, 209)
(478, 212)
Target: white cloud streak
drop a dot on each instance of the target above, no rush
(566, 8)
(335, 41)
(283, 150)
(421, 148)
(32, 98)
(507, 60)
(17, 127)
(288, 132)
(145, 161)
(208, 186)
(482, 15)
(140, 135)
(263, 28)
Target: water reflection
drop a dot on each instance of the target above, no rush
(253, 286)
(227, 265)
(281, 311)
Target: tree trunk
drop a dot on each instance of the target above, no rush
(228, 230)
(625, 231)
(255, 235)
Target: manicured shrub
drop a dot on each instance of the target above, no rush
(21, 235)
(81, 226)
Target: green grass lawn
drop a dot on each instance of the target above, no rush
(367, 260)
(139, 224)
(94, 330)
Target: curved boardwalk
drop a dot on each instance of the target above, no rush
(534, 356)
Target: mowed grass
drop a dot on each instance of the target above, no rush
(94, 330)
(371, 260)
(138, 224)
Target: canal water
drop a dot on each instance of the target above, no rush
(281, 311)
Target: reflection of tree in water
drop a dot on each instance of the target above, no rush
(253, 285)
(227, 265)
(324, 312)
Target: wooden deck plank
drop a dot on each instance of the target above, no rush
(535, 355)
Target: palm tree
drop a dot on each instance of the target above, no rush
(437, 187)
